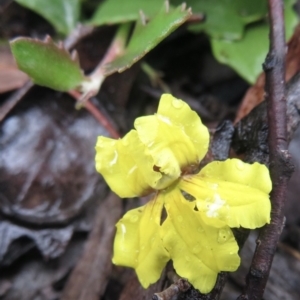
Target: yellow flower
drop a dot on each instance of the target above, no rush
(160, 157)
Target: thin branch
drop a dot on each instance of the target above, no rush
(80, 32)
(115, 49)
(97, 114)
(280, 166)
(14, 99)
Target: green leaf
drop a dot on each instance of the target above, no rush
(226, 18)
(47, 64)
(146, 37)
(116, 11)
(247, 55)
(62, 14)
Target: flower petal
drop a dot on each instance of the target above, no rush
(180, 113)
(125, 165)
(138, 243)
(199, 252)
(175, 137)
(231, 193)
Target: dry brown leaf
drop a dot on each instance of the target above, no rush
(11, 77)
(255, 94)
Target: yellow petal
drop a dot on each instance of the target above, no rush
(138, 243)
(125, 165)
(180, 113)
(199, 252)
(175, 137)
(231, 193)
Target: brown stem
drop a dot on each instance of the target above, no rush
(116, 48)
(280, 166)
(101, 118)
(14, 99)
(89, 106)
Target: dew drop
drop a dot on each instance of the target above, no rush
(197, 248)
(180, 219)
(187, 258)
(240, 165)
(200, 229)
(223, 235)
(231, 268)
(134, 218)
(177, 103)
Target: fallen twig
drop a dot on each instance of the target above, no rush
(280, 166)
(14, 99)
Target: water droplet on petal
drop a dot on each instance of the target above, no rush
(134, 218)
(208, 169)
(223, 235)
(177, 103)
(187, 258)
(232, 268)
(240, 165)
(115, 159)
(200, 229)
(197, 248)
(180, 219)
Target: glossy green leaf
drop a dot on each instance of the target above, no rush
(146, 37)
(62, 14)
(247, 55)
(47, 64)
(116, 11)
(226, 19)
